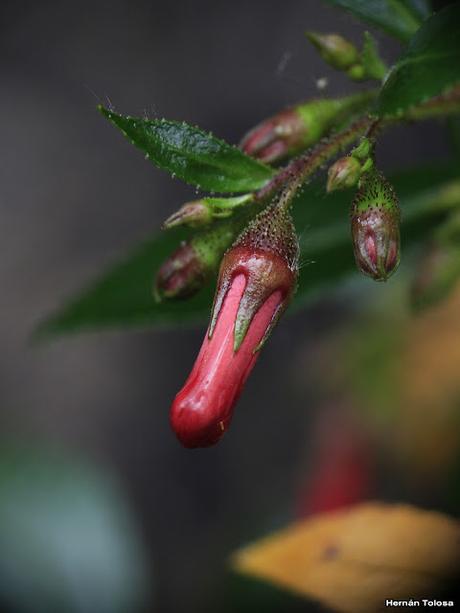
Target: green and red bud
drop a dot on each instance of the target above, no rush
(204, 211)
(256, 281)
(181, 275)
(335, 50)
(194, 214)
(276, 137)
(344, 173)
(189, 268)
(375, 227)
(301, 126)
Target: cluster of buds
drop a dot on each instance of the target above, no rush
(341, 54)
(301, 126)
(375, 227)
(257, 279)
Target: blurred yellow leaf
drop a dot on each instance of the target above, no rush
(353, 560)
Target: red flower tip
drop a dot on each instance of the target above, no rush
(256, 280)
(276, 137)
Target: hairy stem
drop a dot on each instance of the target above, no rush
(300, 169)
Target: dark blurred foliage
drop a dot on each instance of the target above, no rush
(74, 196)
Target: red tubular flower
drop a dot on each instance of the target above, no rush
(256, 281)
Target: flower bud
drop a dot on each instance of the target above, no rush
(299, 127)
(276, 137)
(204, 211)
(181, 275)
(375, 220)
(344, 173)
(335, 50)
(257, 279)
(189, 267)
(194, 214)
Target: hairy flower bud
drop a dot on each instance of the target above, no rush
(276, 137)
(181, 275)
(344, 173)
(299, 127)
(335, 50)
(191, 265)
(194, 214)
(206, 210)
(375, 220)
(257, 279)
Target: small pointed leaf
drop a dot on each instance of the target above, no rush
(195, 156)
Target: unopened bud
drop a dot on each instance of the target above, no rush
(344, 173)
(181, 275)
(335, 49)
(276, 137)
(267, 253)
(204, 211)
(188, 269)
(194, 214)
(256, 281)
(375, 220)
(299, 127)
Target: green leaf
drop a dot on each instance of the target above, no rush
(373, 65)
(192, 154)
(123, 297)
(397, 17)
(429, 67)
